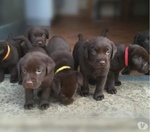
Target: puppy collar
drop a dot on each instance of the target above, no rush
(62, 68)
(8, 52)
(126, 57)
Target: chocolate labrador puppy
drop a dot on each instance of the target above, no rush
(142, 39)
(10, 53)
(37, 36)
(94, 56)
(36, 71)
(66, 79)
(134, 57)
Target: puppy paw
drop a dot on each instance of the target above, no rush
(117, 83)
(29, 106)
(67, 101)
(84, 93)
(112, 91)
(98, 97)
(44, 105)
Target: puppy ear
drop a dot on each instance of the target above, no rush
(47, 33)
(19, 72)
(85, 50)
(114, 50)
(50, 65)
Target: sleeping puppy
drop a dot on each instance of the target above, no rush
(134, 57)
(142, 39)
(37, 36)
(36, 71)
(94, 56)
(66, 79)
(9, 57)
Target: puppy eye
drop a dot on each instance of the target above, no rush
(33, 36)
(38, 71)
(108, 52)
(23, 70)
(93, 52)
(43, 36)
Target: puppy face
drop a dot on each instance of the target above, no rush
(38, 36)
(33, 70)
(99, 51)
(140, 59)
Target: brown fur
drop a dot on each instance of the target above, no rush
(65, 82)
(37, 36)
(94, 56)
(36, 71)
(138, 60)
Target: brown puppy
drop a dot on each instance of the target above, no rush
(36, 71)
(37, 36)
(93, 56)
(65, 79)
(137, 58)
(10, 53)
(141, 39)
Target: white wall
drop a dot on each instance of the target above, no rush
(39, 12)
(71, 7)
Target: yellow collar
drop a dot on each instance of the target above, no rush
(8, 52)
(62, 68)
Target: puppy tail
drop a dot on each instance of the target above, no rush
(104, 32)
(80, 36)
(23, 38)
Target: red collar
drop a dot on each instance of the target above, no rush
(126, 56)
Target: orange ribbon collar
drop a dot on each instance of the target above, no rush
(8, 52)
(126, 56)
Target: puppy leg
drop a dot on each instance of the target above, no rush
(117, 82)
(65, 100)
(98, 94)
(13, 74)
(1, 74)
(29, 104)
(44, 101)
(111, 83)
(85, 88)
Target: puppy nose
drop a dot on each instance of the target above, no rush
(40, 42)
(29, 83)
(102, 62)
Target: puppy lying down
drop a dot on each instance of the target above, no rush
(36, 71)
(66, 79)
(134, 57)
(141, 39)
